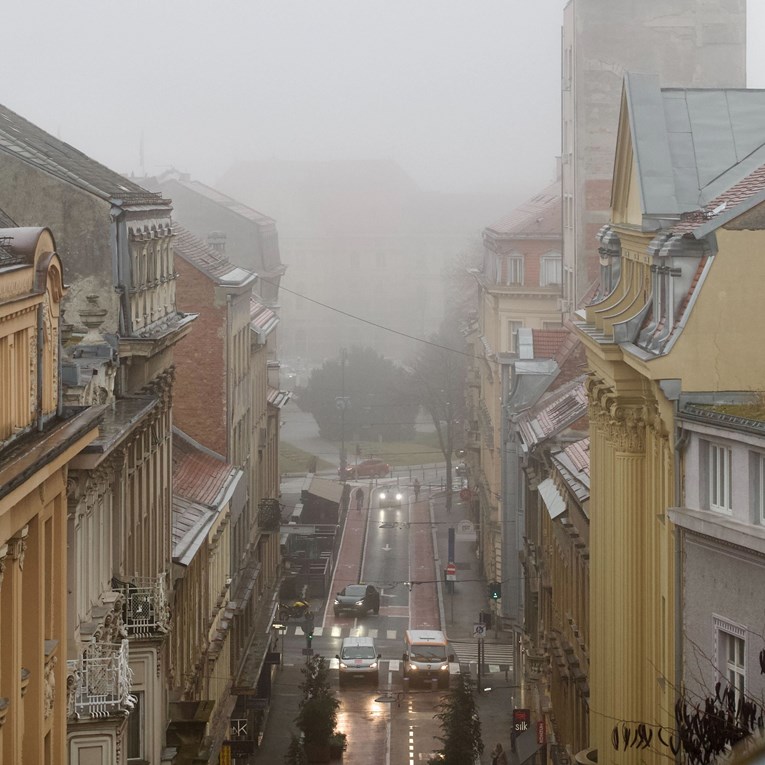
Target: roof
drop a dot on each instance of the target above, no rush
(278, 398)
(691, 144)
(573, 465)
(30, 144)
(538, 216)
(199, 474)
(553, 413)
(324, 489)
(219, 198)
(263, 320)
(207, 260)
(548, 342)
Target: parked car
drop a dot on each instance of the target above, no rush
(371, 468)
(358, 599)
(358, 660)
(461, 469)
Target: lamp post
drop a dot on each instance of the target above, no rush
(342, 402)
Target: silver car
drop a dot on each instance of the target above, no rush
(359, 660)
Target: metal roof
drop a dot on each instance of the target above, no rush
(692, 144)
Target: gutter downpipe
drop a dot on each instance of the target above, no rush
(681, 441)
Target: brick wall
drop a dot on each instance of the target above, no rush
(199, 404)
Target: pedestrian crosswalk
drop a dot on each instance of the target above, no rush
(341, 632)
(497, 656)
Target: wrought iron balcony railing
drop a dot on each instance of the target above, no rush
(146, 610)
(99, 681)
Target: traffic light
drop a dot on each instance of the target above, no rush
(495, 590)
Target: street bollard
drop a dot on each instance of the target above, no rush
(406, 685)
(433, 683)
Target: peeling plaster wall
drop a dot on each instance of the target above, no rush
(81, 224)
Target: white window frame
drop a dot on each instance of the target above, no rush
(731, 654)
(719, 478)
(760, 489)
(512, 334)
(547, 261)
(514, 271)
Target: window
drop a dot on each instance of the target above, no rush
(512, 335)
(719, 478)
(731, 655)
(513, 271)
(759, 488)
(551, 269)
(135, 728)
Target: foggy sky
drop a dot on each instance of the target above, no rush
(464, 94)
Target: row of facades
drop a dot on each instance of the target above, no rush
(617, 452)
(139, 482)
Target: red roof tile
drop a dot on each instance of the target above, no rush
(197, 474)
(540, 215)
(754, 183)
(547, 342)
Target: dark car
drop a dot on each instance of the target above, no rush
(391, 496)
(371, 468)
(357, 599)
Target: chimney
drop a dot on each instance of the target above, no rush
(216, 240)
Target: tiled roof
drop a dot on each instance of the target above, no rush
(203, 257)
(198, 474)
(554, 413)
(547, 342)
(540, 215)
(32, 145)
(753, 184)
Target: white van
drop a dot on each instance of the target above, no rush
(359, 660)
(427, 656)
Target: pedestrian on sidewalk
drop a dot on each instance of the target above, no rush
(498, 755)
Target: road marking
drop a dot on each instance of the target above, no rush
(392, 634)
(337, 631)
(394, 665)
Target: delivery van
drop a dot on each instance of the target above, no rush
(426, 657)
(358, 660)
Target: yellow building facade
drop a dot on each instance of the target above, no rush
(678, 312)
(38, 439)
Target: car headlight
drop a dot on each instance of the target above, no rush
(359, 602)
(399, 496)
(412, 666)
(343, 666)
(383, 495)
(444, 666)
(373, 665)
(337, 602)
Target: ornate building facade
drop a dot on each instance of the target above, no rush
(121, 325)
(39, 437)
(680, 253)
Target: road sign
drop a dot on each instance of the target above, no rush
(479, 630)
(451, 572)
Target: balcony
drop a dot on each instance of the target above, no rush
(98, 683)
(146, 612)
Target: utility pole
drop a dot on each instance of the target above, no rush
(342, 402)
